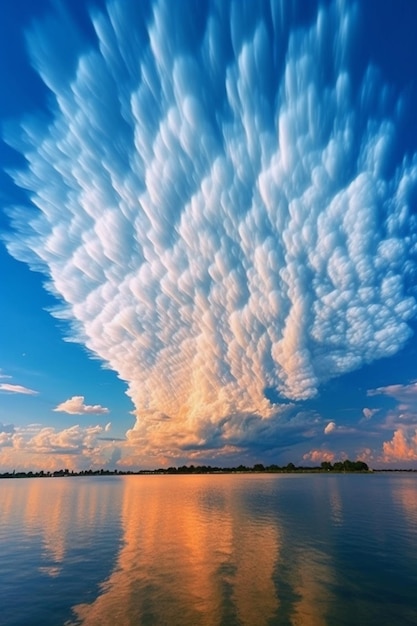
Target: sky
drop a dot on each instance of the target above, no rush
(208, 233)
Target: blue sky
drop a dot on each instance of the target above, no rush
(209, 227)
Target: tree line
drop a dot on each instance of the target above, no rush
(325, 466)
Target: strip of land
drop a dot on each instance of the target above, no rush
(325, 467)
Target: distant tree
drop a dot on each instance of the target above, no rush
(350, 466)
(274, 468)
(325, 465)
(360, 466)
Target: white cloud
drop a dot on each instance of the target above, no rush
(331, 426)
(226, 228)
(369, 413)
(71, 440)
(406, 394)
(76, 406)
(17, 389)
(7, 432)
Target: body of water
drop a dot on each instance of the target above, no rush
(215, 550)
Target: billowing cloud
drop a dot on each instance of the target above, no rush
(76, 406)
(36, 447)
(17, 389)
(71, 440)
(221, 210)
(6, 435)
(402, 446)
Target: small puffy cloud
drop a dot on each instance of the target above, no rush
(367, 455)
(369, 413)
(318, 456)
(7, 432)
(5, 440)
(76, 406)
(9, 388)
(402, 446)
(331, 426)
(7, 428)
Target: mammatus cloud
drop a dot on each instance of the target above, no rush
(17, 389)
(76, 406)
(221, 210)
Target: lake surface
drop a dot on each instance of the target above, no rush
(217, 550)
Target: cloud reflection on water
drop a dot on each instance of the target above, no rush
(202, 551)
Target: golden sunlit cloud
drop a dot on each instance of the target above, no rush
(76, 406)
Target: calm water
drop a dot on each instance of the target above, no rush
(209, 550)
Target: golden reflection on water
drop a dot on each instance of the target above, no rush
(195, 553)
(51, 511)
(194, 550)
(211, 550)
(406, 497)
(187, 558)
(314, 579)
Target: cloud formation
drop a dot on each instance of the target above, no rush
(17, 389)
(35, 447)
(402, 446)
(369, 413)
(318, 456)
(76, 406)
(331, 427)
(217, 213)
(404, 394)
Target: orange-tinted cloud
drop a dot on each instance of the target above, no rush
(45, 448)
(76, 406)
(317, 456)
(402, 447)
